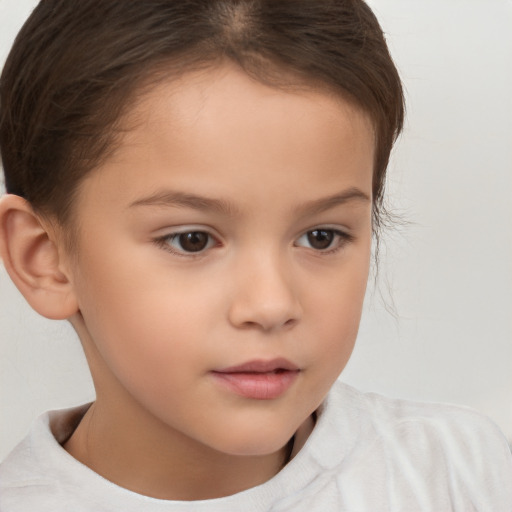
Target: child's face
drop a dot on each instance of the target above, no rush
(274, 190)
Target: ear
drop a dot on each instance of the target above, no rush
(32, 259)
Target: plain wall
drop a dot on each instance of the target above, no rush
(447, 269)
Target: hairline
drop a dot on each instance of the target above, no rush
(172, 70)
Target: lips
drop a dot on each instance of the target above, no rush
(258, 379)
(261, 366)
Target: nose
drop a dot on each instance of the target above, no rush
(264, 295)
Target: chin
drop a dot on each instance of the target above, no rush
(253, 444)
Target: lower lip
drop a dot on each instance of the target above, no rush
(258, 386)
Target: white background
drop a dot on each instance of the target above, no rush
(448, 270)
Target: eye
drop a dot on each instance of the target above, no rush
(323, 239)
(187, 242)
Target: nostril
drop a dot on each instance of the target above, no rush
(267, 304)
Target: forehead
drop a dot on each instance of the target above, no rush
(220, 127)
(226, 94)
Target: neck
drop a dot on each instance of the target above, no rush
(139, 454)
(125, 443)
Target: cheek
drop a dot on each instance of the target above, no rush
(150, 324)
(131, 316)
(336, 308)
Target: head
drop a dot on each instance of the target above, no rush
(76, 69)
(195, 185)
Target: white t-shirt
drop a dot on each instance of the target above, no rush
(366, 453)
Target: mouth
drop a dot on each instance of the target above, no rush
(258, 379)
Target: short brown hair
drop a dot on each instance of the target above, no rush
(76, 66)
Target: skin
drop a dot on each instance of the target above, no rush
(155, 320)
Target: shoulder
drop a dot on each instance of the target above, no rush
(23, 478)
(31, 475)
(426, 450)
(455, 428)
(384, 415)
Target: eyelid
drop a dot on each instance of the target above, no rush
(185, 228)
(170, 234)
(343, 235)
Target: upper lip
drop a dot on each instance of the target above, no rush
(260, 366)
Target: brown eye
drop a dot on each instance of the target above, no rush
(320, 238)
(187, 243)
(194, 241)
(324, 240)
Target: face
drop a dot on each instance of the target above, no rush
(223, 258)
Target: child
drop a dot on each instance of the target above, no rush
(195, 185)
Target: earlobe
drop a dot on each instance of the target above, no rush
(32, 260)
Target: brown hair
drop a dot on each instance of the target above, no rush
(76, 66)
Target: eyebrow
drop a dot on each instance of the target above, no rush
(323, 204)
(169, 198)
(175, 198)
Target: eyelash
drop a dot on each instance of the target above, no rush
(164, 242)
(340, 240)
